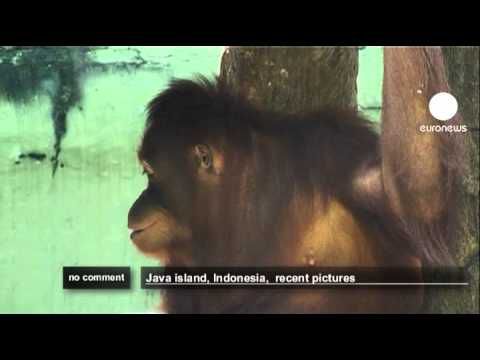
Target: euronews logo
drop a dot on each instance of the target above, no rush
(443, 106)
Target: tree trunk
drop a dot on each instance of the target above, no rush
(293, 79)
(462, 64)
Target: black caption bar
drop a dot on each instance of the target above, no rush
(306, 277)
(96, 277)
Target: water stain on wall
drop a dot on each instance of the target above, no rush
(56, 71)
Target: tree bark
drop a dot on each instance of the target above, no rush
(293, 79)
(462, 65)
